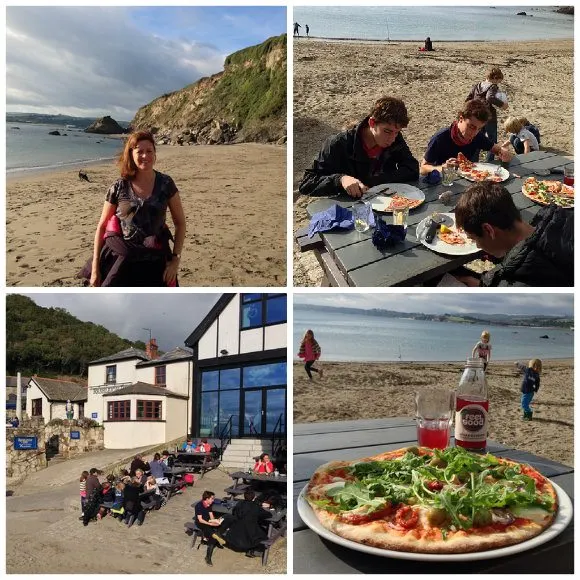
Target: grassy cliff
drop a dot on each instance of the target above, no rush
(244, 102)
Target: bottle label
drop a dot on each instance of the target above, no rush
(471, 424)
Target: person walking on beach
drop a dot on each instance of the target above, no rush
(482, 349)
(307, 28)
(530, 385)
(372, 152)
(463, 136)
(296, 27)
(131, 246)
(488, 91)
(310, 351)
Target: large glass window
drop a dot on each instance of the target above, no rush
(265, 375)
(208, 421)
(210, 380)
(229, 379)
(148, 409)
(119, 411)
(111, 374)
(262, 309)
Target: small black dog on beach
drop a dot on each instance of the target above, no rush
(83, 175)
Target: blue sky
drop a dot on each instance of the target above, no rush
(107, 60)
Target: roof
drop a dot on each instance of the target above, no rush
(128, 353)
(11, 381)
(204, 325)
(55, 390)
(145, 389)
(177, 354)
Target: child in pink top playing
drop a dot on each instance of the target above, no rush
(310, 352)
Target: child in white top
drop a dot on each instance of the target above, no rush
(482, 349)
(515, 127)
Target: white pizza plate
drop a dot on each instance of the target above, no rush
(381, 202)
(502, 171)
(438, 245)
(563, 518)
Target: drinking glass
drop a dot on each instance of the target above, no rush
(448, 175)
(361, 215)
(400, 217)
(482, 156)
(569, 175)
(434, 410)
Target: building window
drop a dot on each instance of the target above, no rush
(37, 407)
(148, 409)
(262, 310)
(119, 411)
(160, 376)
(111, 373)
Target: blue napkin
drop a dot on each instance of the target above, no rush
(432, 178)
(332, 218)
(386, 235)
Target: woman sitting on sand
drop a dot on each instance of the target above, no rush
(131, 245)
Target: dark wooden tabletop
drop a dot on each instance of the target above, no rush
(318, 443)
(349, 258)
(269, 477)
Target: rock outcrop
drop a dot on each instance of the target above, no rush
(54, 133)
(105, 126)
(245, 102)
(565, 10)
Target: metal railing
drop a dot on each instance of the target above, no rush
(278, 437)
(225, 435)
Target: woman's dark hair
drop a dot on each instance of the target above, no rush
(126, 163)
(94, 471)
(249, 495)
(204, 440)
(84, 476)
(264, 455)
(156, 457)
(111, 478)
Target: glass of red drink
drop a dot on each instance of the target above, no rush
(434, 410)
(569, 175)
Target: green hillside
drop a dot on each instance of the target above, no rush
(51, 342)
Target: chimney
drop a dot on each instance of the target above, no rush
(151, 349)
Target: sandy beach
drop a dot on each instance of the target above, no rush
(234, 198)
(373, 390)
(336, 83)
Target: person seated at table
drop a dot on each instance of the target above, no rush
(263, 464)
(211, 527)
(540, 253)
(371, 153)
(520, 136)
(118, 510)
(138, 463)
(157, 468)
(140, 475)
(463, 136)
(189, 446)
(132, 503)
(248, 527)
(203, 447)
(107, 499)
(155, 498)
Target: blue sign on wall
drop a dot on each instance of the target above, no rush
(75, 434)
(25, 443)
(94, 415)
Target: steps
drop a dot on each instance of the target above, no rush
(240, 453)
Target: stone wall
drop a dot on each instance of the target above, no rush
(20, 463)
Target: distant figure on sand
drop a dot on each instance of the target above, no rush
(372, 152)
(296, 27)
(310, 351)
(307, 29)
(463, 136)
(523, 136)
(539, 253)
(482, 350)
(428, 44)
(83, 176)
(488, 91)
(131, 246)
(530, 385)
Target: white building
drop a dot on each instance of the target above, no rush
(47, 398)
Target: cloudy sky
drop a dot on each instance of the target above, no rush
(171, 318)
(94, 61)
(456, 303)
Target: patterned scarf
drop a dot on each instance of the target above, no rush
(456, 136)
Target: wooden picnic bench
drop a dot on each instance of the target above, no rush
(349, 258)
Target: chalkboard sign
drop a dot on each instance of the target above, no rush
(94, 415)
(75, 434)
(25, 443)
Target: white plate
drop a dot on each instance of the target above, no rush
(563, 518)
(503, 172)
(438, 245)
(381, 202)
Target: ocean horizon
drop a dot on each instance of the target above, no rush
(440, 23)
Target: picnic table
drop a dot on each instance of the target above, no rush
(196, 461)
(349, 258)
(172, 473)
(318, 443)
(280, 480)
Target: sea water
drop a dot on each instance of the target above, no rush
(361, 337)
(438, 22)
(30, 147)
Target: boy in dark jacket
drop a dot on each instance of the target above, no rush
(530, 385)
(539, 253)
(369, 154)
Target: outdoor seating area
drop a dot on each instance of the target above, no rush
(194, 458)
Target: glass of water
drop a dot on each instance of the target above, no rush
(361, 214)
(448, 175)
(482, 156)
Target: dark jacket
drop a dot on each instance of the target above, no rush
(138, 464)
(546, 258)
(131, 501)
(93, 484)
(531, 381)
(487, 92)
(344, 154)
(246, 533)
